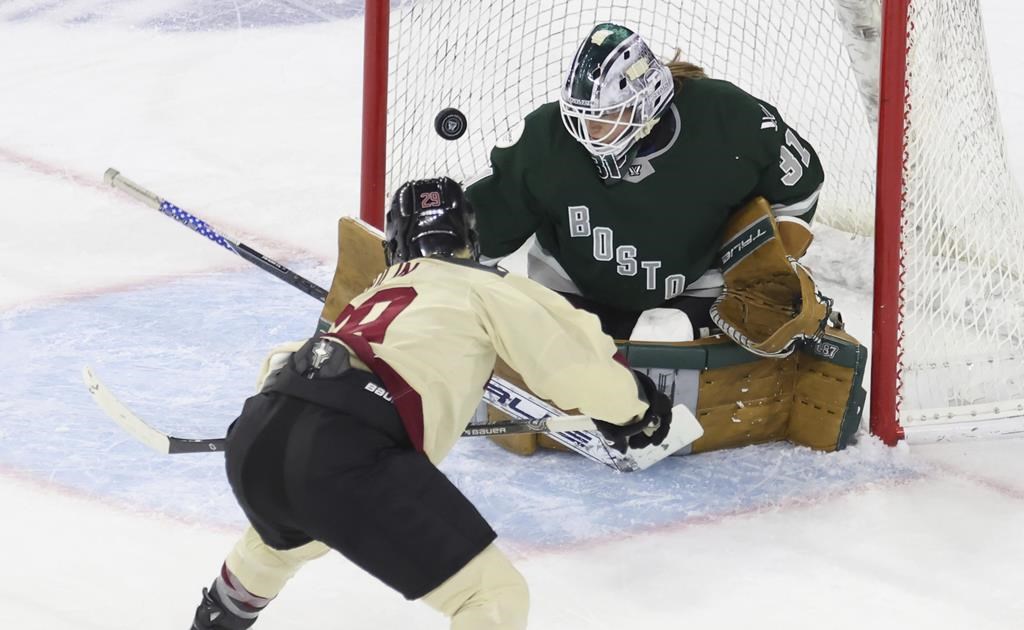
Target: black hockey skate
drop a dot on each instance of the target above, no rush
(212, 615)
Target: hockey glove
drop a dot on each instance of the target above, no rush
(651, 428)
(770, 302)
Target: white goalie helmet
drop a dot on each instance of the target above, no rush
(614, 93)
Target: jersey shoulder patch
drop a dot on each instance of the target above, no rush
(768, 119)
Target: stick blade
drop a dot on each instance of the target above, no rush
(123, 416)
(684, 431)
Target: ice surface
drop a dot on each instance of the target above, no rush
(246, 114)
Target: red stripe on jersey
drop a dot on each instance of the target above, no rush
(357, 334)
(407, 400)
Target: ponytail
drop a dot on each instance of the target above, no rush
(683, 70)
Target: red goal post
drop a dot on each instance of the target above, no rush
(892, 102)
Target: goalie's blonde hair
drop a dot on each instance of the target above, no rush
(683, 70)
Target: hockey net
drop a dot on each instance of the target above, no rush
(961, 303)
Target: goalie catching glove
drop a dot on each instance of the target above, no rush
(769, 302)
(649, 429)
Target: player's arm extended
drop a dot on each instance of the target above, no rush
(575, 366)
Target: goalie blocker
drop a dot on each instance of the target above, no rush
(813, 396)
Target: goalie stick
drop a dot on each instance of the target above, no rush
(499, 393)
(683, 431)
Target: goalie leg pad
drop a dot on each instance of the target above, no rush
(828, 399)
(360, 261)
(745, 402)
(522, 444)
(814, 397)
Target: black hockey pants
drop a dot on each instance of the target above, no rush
(351, 479)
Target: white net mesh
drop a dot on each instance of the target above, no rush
(963, 304)
(961, 338)
(497, 61)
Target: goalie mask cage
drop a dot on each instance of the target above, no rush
(913, 154)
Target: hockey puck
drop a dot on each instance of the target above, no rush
(450, 123)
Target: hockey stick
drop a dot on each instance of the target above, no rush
(271, 266)
(522, 404)
(138, 428)
(169, 444)
(499, 393)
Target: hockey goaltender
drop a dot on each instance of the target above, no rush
(779, 367)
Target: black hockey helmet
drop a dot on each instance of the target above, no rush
(430, 217)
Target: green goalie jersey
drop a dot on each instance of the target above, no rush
(637, 243)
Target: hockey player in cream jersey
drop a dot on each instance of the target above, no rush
(338, 450)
